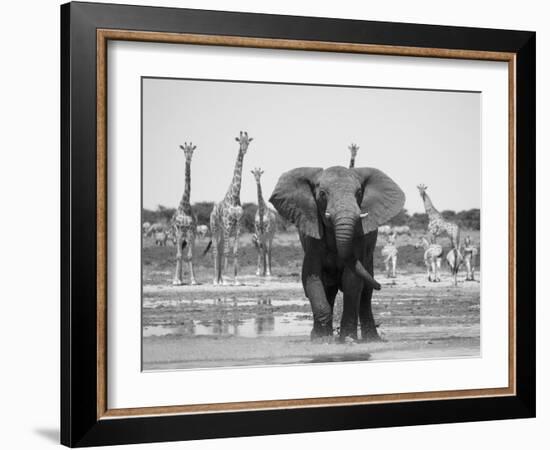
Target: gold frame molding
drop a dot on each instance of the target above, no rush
(104, 35)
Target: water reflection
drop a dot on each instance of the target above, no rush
(262, 324)
(208, 302)
(229, 316)
(265, 324)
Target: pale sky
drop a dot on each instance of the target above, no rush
(414, 136)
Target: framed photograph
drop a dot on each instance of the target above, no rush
(276, 224)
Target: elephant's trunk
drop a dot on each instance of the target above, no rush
(344, 229)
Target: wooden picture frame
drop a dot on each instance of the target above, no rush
(85, 416)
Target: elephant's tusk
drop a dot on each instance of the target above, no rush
(363, 215)
(327, 215)
(367, 277)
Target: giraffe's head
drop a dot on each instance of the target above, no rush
(244, 141)
(422, 189)
(353, 149)
(257, 172)
(188, 150)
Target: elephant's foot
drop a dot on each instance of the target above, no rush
(323, 340)
(347, 340)
(321, 331)
(348, 334)
(370, 335)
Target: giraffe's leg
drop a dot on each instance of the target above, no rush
(438, 269)
(236, 253)
(190, 251)
(179, 256)
(394, 265)
(215, 251)
(258, 269)
(269, 249)
(226, 238)
(219, 260)
(264, 257)
(215, 246)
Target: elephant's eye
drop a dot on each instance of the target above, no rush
(322, 195)
(359, 196)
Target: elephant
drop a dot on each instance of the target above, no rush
(337, 212)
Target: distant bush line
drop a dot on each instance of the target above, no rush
(418, 221)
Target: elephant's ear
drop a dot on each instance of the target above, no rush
(294, 199)
(382, 198)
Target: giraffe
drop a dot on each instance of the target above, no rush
(226, 218)
(432, 258)
(437, 224)
(389, 252)
(264, 223)
(470, 253)
(184, 223)
(353, 150)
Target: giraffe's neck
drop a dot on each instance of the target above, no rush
(184, 205)
(234, 193)
(261, 204)
(428, 206)
(352, 162)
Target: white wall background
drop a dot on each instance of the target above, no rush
(29, 196)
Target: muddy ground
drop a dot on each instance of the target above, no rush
(268, 320)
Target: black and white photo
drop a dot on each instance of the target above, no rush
(294, 224)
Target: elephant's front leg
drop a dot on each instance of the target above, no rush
(366, 318)
(315, 291)
(352, 287)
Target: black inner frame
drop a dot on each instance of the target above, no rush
(79, 423)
